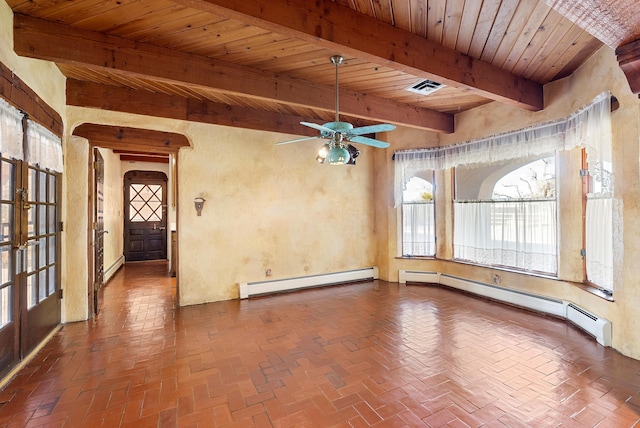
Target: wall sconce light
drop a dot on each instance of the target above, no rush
(199, 202)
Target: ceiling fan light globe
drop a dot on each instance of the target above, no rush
(322, 154)
(338, 156)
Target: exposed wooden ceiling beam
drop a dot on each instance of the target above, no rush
(340, 28)
(143, 158)
(20, 95)
(59, 43)
(95, 95)
(123, 138)
(629, 60)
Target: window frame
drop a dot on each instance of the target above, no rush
(401, 219)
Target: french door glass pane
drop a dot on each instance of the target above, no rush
(52, 280)
(52, 249)
(6, 227)
(6, 315)
(42, 219)
(32, 291)
(42, 281)
(51, 227)
(42, 186)
(31, 220)
(33, 180)
(42, 252)
(6, 273)
(7, 179)
(31, 257)
(52, 188)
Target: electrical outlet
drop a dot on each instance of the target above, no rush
(496, 278)
(267, 272)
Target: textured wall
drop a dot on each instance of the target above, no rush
(75, 214)
(267, 207)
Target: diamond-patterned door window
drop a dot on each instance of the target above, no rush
(145, 202)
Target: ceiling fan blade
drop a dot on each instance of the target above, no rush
(372, 129)
(318, 127)
(369, 141)
(296, 140)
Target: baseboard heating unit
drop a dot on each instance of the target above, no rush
(257, 288)
(599, 328)
(111, 270)
(592, 324)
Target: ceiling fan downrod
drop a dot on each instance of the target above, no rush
(337, 60)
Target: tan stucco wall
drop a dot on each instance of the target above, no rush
(75, 215)
(267, 207)
(562, 98)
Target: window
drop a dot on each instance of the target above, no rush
(505, 215)
(598, 227)
(145, 202)
(418, 225)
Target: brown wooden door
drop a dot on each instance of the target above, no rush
(145, 227)
(98, 229)
(41, 269)
(9, 295)
(29, 251)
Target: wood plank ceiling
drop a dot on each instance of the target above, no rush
(265, 64)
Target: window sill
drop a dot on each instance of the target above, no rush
(595, 290)
(416, 258)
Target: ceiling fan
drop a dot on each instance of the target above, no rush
(339, 134)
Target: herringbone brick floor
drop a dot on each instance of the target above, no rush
(359, 355)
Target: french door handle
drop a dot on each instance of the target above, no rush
(24, 246)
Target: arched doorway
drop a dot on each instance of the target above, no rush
(131, 145)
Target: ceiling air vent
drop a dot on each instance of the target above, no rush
(425, 87)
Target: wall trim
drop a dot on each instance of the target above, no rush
(111, 270)
(258, 288)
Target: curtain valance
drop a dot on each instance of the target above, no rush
(44, 148)
(589, 127)
(11, 134)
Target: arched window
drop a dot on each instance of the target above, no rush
(515, 224)
(534, 180)
(418, 214)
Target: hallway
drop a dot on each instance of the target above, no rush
(366, 354)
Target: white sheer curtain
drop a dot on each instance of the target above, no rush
(586, 127)
(599, 245)
(43, 147)
(519, 234)
(11, 134)
(418, 229)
